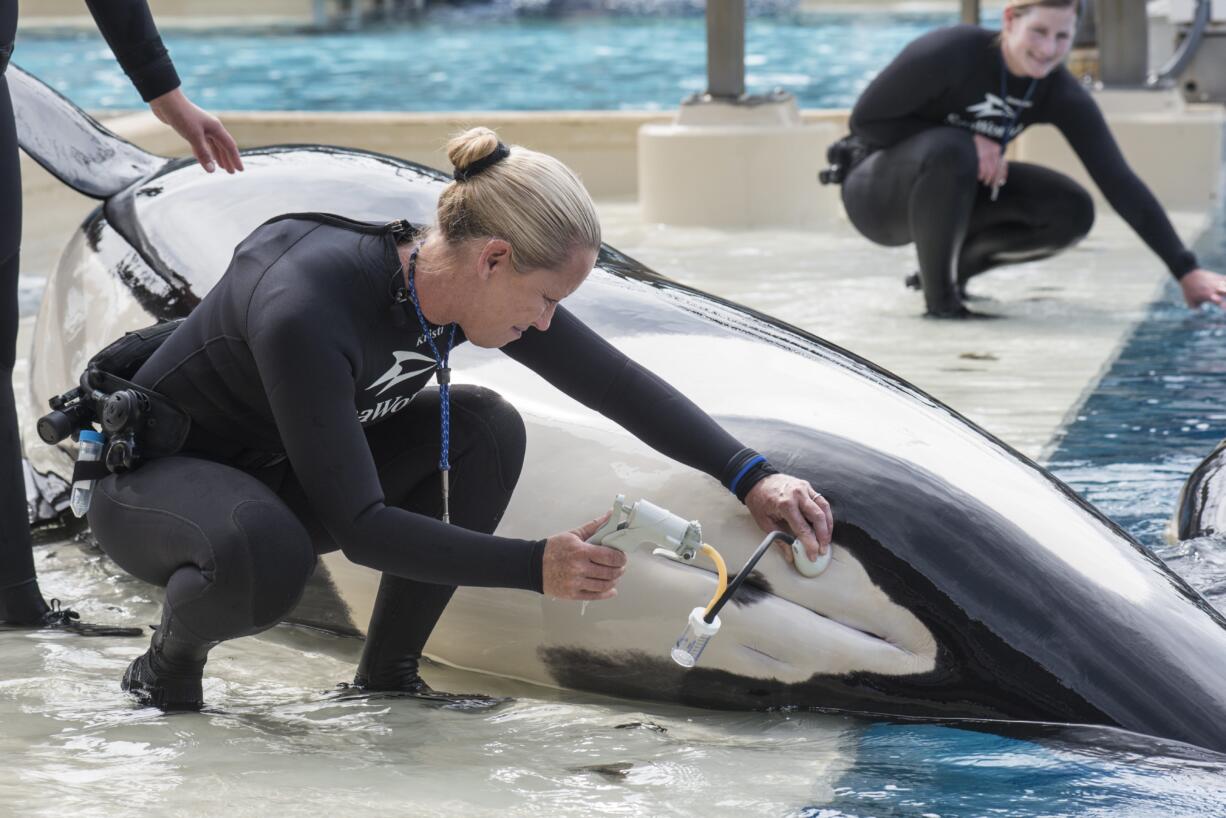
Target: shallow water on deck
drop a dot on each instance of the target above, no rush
(277, 736)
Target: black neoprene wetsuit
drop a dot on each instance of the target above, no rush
(921, 184)
(298, 349)
(129, 29)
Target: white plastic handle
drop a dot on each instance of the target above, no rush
(810, 568)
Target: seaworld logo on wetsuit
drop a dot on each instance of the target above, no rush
(407, 365)
(992, 107)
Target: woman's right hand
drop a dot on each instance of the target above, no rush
(992, 166)
(1202, 286)
(210, 142)
(573, 568)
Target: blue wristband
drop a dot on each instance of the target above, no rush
(744, 470)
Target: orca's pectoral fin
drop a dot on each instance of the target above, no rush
(72, 145)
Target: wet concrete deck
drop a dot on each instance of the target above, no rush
(1060, 321)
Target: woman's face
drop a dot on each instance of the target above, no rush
(506, 303)
(1037, 40)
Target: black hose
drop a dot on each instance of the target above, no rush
(744, 572)
(1182, 58)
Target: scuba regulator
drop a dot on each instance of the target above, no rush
(136, 422)
(644, 524)
(842, 157)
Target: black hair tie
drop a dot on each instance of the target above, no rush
(497, 155)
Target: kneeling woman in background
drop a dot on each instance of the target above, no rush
(934, 125)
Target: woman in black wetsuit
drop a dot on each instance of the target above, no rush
(937, 119)
(129, 30)
(303, 371)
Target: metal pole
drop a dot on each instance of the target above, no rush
(1087, 26)
(970, 12)
(1123, 44)
(726, 48)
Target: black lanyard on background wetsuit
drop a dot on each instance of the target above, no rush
(950, 77)
(1014, 109)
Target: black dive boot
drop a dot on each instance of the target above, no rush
(912, 282)
(22, 608)
(404, 615)
(400, 679)
(169, 676)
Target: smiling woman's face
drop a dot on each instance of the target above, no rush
(1036, 40)
(507, 303)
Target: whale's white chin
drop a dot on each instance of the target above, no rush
(836, 623)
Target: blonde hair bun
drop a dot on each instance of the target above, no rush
(471, 146)
(526, 197)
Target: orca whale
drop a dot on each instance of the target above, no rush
(1202, 501)
(966, 581)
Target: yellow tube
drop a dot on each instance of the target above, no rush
(722, 585)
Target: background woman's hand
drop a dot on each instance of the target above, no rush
(1203, 287)
(784, 503)
(993, 167)
(573, 568)
(210, 142)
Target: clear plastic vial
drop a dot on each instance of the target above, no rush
(89, 448)
(697, 634)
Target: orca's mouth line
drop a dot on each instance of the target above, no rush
(823, 620)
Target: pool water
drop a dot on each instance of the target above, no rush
(1157, 412)
(473, 62)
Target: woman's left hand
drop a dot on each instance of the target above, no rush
(209, 140)
(1202, 286)
(784, 503)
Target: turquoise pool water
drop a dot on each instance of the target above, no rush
(470, 63)
(1157, 412)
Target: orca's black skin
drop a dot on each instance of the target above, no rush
(1014, 642)
(1023, 635)
(71, 145)
(1203, 496)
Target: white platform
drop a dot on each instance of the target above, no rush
(725, 165)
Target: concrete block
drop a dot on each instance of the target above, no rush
(738, 167)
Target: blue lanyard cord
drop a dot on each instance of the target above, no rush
(443, 373)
